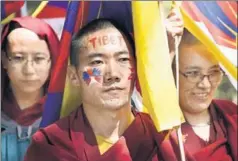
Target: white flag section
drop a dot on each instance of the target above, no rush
(137, 99)
(53, 12)
(57, 24)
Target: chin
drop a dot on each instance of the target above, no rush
(30, 89)
(197, 108)
(114, 104)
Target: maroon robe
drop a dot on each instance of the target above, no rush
(222, 145)
(25, 117)
(72, 139)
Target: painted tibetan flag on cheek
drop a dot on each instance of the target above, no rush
(214, 23)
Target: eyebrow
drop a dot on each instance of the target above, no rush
(196, 67)
(214, 66)
(40, 53)
(24, 53)
(93, 55)
(121, 53)
(192, 67)
(14, 53)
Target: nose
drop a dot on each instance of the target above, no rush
(204, 83)
(112, 73)
(28, 68)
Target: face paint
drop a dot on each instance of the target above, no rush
(92, 74)
(132, 74)
(105, 40)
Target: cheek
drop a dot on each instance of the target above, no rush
(185, 90)
(43, 74)
(13, 72)
(90, 91)
(184, 86)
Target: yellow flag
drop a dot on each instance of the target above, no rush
(154, 66)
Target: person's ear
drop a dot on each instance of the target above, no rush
(73, 76)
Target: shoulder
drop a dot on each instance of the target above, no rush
(225, 106)
(54, 133)
(146, 119)
(53, 142)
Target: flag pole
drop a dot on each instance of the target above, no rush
(178, 129)
(24, 11)
(39, 8)
(180, 141)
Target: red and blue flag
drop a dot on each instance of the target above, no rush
(9, 7)
(215, 24)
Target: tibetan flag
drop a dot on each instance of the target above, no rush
(9, 9)
(54, 99)
(214, 23)
(153, 65)
(51, 9)
(54, 13)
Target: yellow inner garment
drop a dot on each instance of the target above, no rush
(105, 143)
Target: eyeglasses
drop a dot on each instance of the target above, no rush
(196, 76)
(37, 61)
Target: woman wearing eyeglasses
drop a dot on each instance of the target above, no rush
(210, 130)
(29, 52)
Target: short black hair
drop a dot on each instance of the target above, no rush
(91, 27)
(12, 26)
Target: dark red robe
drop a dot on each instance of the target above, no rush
(72, 139)
(222, 145)
(18, 125)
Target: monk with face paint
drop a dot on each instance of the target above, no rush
(104, 128)
(29, 51)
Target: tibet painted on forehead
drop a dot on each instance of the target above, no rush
(105, 39)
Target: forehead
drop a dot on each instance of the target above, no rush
(22, 34)
(24, 40)
(196, 56)
(105, 41)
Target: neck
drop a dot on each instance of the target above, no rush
(201, 118)
(108, 123)
(26, 99)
